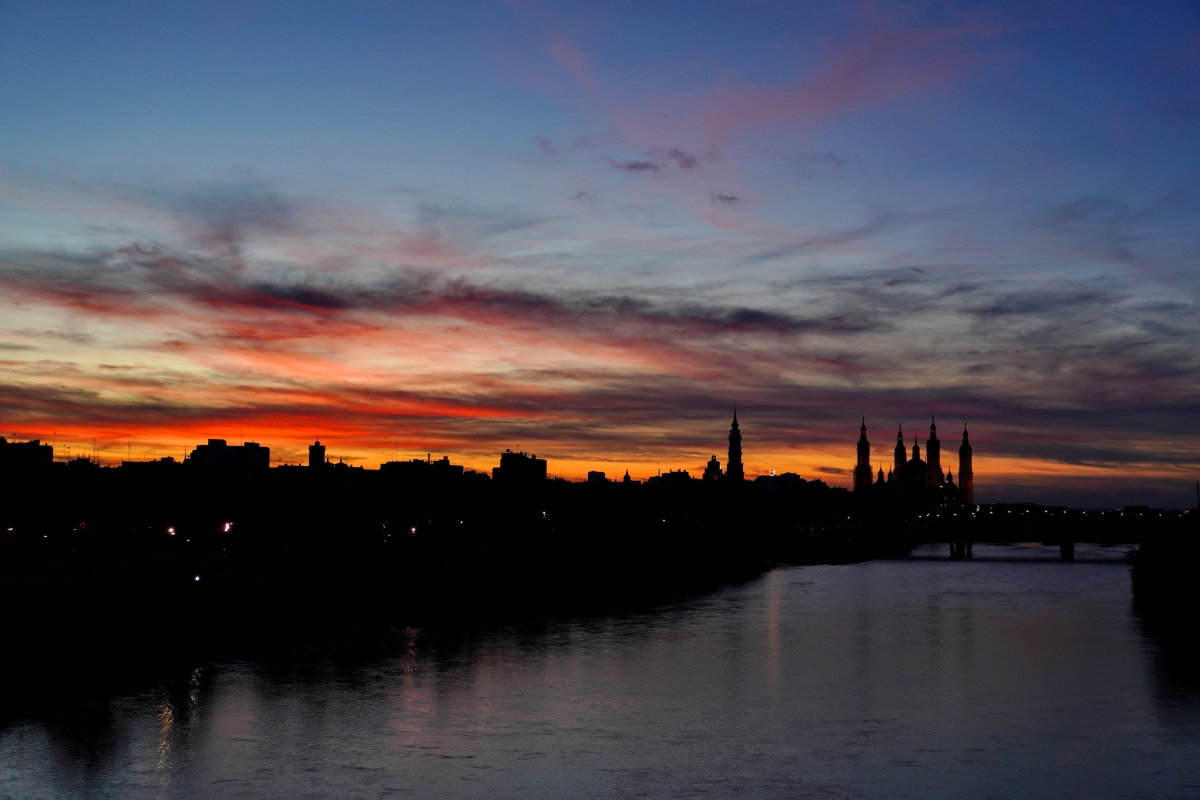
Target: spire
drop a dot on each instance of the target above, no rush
(966, 472)
(862, 470)
(733, 467)
(900, 454)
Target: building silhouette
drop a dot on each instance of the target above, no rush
(316, 454)
(25, 458)
(862, 470)
(914, 483)
(519, 468)
(419, 471)
(933, 455)
(712, 471)
(672, 477)
(159, 466)
(218, 455)
(733, 467)
(966, 472)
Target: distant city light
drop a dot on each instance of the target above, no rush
(228, 525)
(197, 577)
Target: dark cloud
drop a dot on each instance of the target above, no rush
(1047, 301)
(879, 221)
(461, 223)
(682, 159)
(221, 215)
(657, 159)
(804, 161)
(545, 146)
(136, 280)
(635, 166)
(828, 157)
(727, 199)
(1095, 226)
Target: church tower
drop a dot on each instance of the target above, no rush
(901, 450)
(733, 467)
(966, 475)
(933, 458)
(316, 454)
(862, 471)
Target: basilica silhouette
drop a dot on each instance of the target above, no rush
(913, 481)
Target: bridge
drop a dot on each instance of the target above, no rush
(1010, 523)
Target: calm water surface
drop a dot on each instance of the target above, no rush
(918, 678)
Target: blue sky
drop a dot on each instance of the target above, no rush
(591, 230)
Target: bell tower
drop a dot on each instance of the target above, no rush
(966, 474)
(862, 471)
(933, 458)
(733, 467)
(901, 450)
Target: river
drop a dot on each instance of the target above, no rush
(1010, 675)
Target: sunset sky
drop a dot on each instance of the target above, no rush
(590, 231)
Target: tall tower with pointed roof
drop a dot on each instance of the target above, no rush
(966, 474)
(933, 458)
(862, 471)
(733, 467)
(901, 450)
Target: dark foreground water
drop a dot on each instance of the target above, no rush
(919, 678)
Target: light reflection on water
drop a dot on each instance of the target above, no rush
(914, 678)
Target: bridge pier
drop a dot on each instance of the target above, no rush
(960, 550)
(1066, 551)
